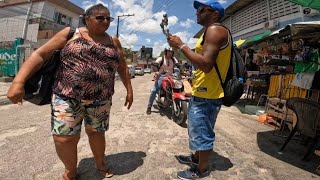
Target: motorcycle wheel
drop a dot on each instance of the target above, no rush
(181, 113)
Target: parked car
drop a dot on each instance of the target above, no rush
(131, 71)
(147, 70)
(139, 71)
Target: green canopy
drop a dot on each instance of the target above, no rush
(314, 4)
(256, 38)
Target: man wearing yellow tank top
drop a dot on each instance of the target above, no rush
(214, 46)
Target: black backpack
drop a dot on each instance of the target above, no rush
(233, 86)
(38, 88)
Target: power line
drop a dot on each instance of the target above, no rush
(147, 19)
(124, 41)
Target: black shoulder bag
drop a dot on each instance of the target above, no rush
(38, 88)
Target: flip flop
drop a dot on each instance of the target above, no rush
(106, 173)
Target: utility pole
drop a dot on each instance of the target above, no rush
(118, 21)
(25, 27)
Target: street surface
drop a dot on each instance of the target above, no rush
(141, 146)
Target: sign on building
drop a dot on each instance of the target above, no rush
(10, 59)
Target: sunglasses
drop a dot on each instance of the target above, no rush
(201, 10)
(102, 18)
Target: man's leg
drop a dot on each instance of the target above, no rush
(202, 157)
(203, 160)
(66, 147)
(202, 117)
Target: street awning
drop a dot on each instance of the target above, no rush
(256, 38)
(314, 4)
(239, 42)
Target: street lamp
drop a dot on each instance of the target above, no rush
(118, 21)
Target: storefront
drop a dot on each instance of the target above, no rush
(283, 64)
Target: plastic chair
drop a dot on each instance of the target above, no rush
(308, 121)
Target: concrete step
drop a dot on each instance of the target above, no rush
(6, 79)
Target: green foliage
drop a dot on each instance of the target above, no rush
(178, 54)
(127, 53)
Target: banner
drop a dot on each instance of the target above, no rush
(10, 59)
(303, 80)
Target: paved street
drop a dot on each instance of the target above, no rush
(141, 146)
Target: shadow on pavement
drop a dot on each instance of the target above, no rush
(219, 163)
(120, 164)
(242, 103)
(292, 154)
(167, 112)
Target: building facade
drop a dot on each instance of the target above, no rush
(34, 22)
(247, 18)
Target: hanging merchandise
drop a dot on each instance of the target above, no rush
(297, 44)
(306, 56)
(311, 61)
(303, 80)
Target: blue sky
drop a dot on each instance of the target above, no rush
(144, 27)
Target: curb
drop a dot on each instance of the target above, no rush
(4, 100)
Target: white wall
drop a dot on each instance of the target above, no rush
(49, 10)
(12, 19)
(250, 20)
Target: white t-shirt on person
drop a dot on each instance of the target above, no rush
(167, 64)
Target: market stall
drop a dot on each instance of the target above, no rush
(286, 64)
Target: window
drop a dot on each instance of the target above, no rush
(280, 8)
(62, 19)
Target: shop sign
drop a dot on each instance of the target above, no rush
(10, 59)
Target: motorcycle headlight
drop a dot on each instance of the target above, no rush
(178, 84)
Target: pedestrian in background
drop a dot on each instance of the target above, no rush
(83, 87)
(214, 46)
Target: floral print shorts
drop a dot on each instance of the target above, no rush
(67, 115)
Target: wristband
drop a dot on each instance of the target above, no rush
(182, 46)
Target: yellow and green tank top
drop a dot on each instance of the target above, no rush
(208, 85)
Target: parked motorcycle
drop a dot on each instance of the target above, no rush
(171, 94)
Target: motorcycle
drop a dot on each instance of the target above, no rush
(171, 94)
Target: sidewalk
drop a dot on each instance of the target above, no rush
(4, 87)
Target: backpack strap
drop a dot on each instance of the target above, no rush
(71, 33)
(232, 58)
(162, 61)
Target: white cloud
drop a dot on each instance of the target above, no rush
(148, 40)
(158, 46)
(144, 20)
(87, 4)
(129, 40)
(222, 1)
(187, 24)
(187, 38)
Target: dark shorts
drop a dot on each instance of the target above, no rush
(67, 115)
(202, 118)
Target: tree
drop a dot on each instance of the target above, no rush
(128, 54)
(178, 54)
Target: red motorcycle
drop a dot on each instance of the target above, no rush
(171, 94)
